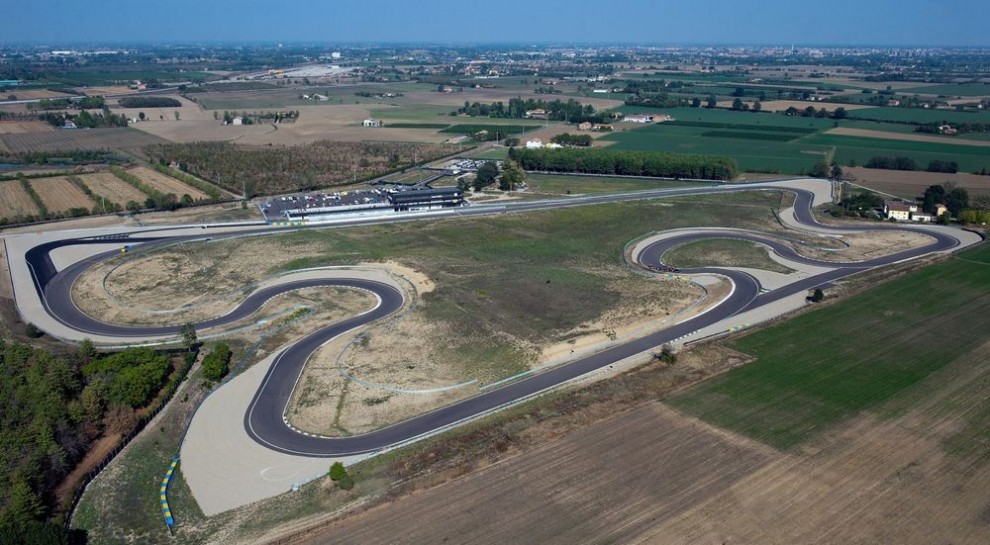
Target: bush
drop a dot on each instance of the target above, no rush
(32, 331)
(215, 365)
(337, 471)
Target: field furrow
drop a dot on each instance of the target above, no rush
(15, 201)
(60, 195)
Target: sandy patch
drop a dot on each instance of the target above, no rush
(910, 137)
(870, 245)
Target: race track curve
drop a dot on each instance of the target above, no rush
(265, 421)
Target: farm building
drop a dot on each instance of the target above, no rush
(899, 211)
(646, 118)
(536, 143)
(372, 122)
(586, 126)
(538, 113)
(237, 121)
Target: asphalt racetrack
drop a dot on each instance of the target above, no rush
(265, 421)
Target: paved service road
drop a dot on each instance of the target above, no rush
(264, 420)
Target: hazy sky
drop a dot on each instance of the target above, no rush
(841, 22)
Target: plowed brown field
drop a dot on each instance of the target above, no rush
(21, 127)
(14, 201)
(59, 194)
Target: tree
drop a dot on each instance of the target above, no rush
(86, 350)
(820, 170)
(836, 171)
(141, 116)
(738, 104)
(188, 333)
(757, 106)
(711, 101)
(486, 175)
(839, 113)
(215, 365)
(339, 475)
(32, 331)
(512, 176)
(695, 102)
(817, 296)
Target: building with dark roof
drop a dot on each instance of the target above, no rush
(426, 199)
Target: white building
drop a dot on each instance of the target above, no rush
(237, 121)
(899, 211)
(534, 144)
(372, 123)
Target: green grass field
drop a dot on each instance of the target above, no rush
(826, 366)
(544, 184)
(963, 90)
(752, 154)
(919, 115)
(848, 148)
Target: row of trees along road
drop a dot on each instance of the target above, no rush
(627, 163)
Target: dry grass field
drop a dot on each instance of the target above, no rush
(167, 184)
(15, 201)
(78, 139)
(113, 188)
(912, 184)
(107, 90)
(910, 137)
(21, 127)
(60, 195)
(34, 94)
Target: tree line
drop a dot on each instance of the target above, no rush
(149, 102)
(908, 163)
(85, 120)
(627, 163)
(556, 110)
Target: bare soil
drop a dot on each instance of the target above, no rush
(781, 105)
(15, 201)
(912, 184)
(868, 133)
(59, 194)
(863, 246)
(651, 475)
(78, 139)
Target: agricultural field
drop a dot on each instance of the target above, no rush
(15, 201)
(912, 184)
(963, 90)
(167, 184)
(60, 195)
(118, 77)
(762, 148)
(89, 139)
(270, 171)
(113, 188)
(925, 321)
(919, 115)
(907, 137)
(859, 149)
(21, 127)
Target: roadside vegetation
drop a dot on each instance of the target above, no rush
(723, 252)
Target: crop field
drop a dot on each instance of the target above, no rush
(470, 128)
(113, 188)
(754, 153)
(912, 185)
(89, 139)
(15, 201)
(824, 367)
(101, 77)
(907, 136)
(963, 90)
(167, 184)
(860, 149)
(60, 195)
(21, 127)
(920, 115)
